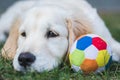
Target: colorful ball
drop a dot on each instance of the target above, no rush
(90, 53)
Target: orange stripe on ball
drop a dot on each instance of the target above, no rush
(89, 66)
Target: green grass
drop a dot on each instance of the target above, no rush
(65, 73)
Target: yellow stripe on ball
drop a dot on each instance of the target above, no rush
(102, 58)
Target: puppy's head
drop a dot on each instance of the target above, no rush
(42, 40)
(45, 36)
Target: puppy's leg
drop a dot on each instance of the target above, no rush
(100, 28)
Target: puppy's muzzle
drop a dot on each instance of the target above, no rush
(26, 59)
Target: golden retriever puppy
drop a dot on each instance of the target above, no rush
(43, 31)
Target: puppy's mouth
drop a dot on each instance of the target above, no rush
(27, 69)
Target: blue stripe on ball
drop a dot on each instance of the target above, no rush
(84, 42)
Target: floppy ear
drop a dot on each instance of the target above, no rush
(9, 48)
(76, 28)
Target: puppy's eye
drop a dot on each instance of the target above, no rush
(51, 34)
(23, 34)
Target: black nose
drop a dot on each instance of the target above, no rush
(26, 59)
